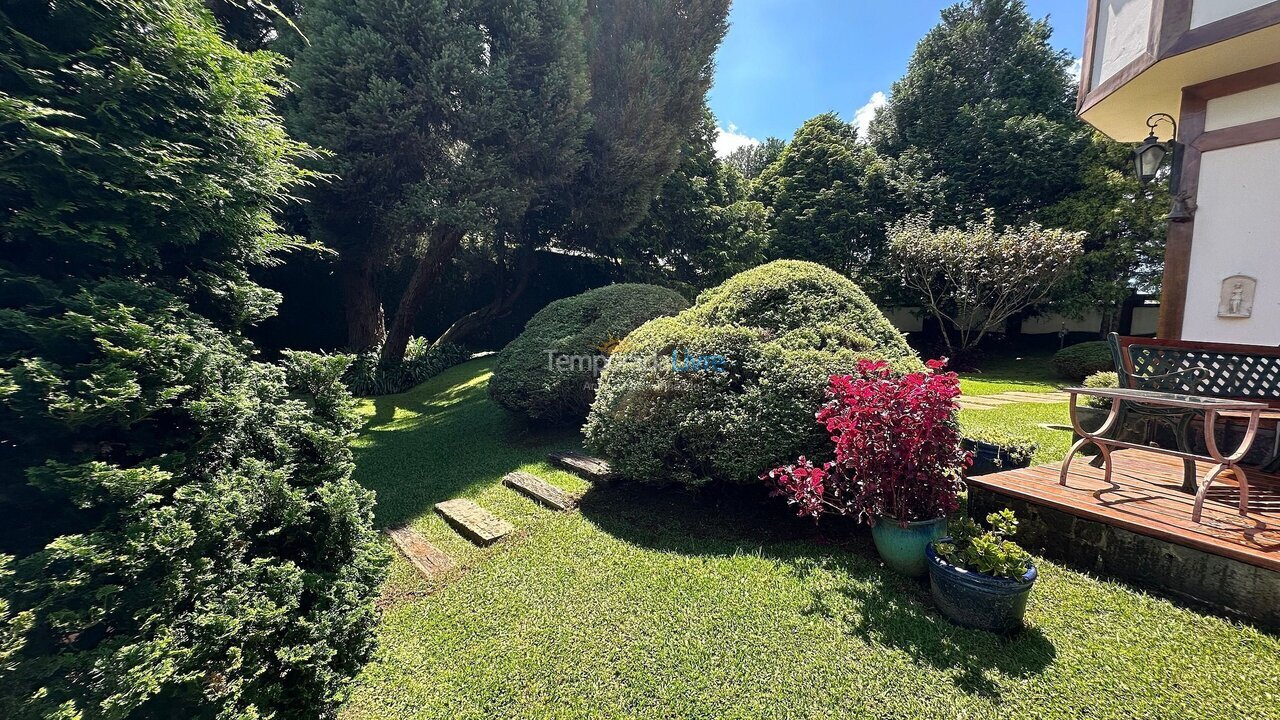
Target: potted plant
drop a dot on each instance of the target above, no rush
(997, 450)
(982, 579)
(898, 462)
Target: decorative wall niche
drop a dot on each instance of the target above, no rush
(1236, 299)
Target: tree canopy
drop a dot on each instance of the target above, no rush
(817, 196)
(751, 160)
(988, 101)
(700, 229)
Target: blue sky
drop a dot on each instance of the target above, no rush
(785, 61)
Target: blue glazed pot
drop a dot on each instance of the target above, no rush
(978, 600)
(902, 548)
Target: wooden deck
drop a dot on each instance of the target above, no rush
(1144, 498)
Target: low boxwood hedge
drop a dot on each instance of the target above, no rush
(1080, 361)
(549, 372)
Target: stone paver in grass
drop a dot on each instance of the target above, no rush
(984, 401)
(584, 466)
(424, 556)
(477, 524)
(538, 489)
(1049, 397)
(991, 402)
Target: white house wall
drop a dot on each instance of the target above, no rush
(1242, 108)
(1123, 31)
(1237, 232)
(1204, 12)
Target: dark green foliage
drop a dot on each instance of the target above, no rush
(989, 103)
(782, 329)
(255, 24)
(582, 326)
(700, 229)
(1080, 361)
(187, 540)
(651, 64)
(751, 160)
(370, 375)
(815, 191)
(830, 198)
(1124, 247)
(445, 117)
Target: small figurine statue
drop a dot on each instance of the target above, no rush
(1236, 304)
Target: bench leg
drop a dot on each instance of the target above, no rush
(1183, 433)
(1204, 490)
(1243, 478)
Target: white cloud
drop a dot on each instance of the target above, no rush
(862, 118)
(729, 140)
(1076, 68)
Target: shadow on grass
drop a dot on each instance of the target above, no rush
(441, 440)
(868, 601)
(893, 611)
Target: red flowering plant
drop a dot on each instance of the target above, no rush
(896, 445)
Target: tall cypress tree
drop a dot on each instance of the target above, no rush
(651, 66)
(182, 535)
(816, 193)
(444, 117)
(988, 101)
(700, 229)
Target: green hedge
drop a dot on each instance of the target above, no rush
(573, 330)
(1105, 379)
(180, 536)
(782, 329)
(1080, 361)
(369, 375)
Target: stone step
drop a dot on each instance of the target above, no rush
(538, 489)
(585, 466)
(424, 556)
(477, 524)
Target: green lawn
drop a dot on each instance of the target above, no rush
(1030, 372)
(660, 603)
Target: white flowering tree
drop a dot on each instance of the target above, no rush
(974, 278)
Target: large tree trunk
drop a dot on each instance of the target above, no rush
(503, 300)
(440, 249)
(366, 322)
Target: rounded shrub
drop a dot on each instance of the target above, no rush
(1080, 361)
(1104, 379)
(549, 372)
(729, 387)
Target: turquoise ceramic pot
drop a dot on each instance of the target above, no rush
(902, 548)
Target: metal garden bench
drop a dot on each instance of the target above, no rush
(1214, 370)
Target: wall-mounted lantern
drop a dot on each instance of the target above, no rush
(1150, 155)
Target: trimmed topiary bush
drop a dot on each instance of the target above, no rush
(728, 388)
(550, 371)
(1080, 361)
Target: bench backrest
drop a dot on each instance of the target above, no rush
(1198, 368)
